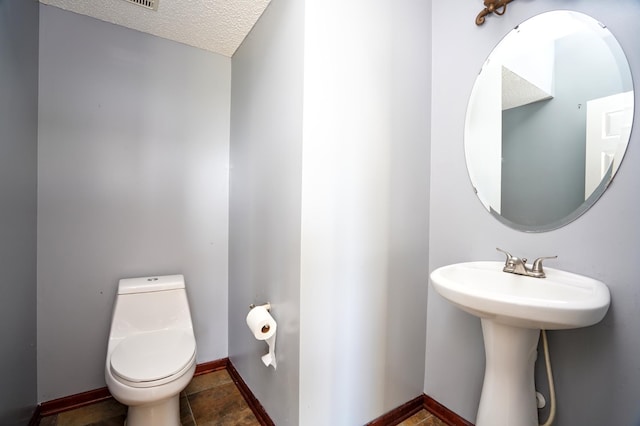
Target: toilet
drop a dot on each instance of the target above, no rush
(151, 354)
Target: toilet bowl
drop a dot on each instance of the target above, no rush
(151, 354)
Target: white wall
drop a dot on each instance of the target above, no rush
(596, 369)
(133, 181)
(18, 174)
(364, 208)
(483, 133)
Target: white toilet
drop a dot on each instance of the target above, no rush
(151, 356)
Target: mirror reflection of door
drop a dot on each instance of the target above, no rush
(608, 128)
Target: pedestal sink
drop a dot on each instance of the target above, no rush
(513, 309)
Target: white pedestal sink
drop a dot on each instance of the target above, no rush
(513, 309)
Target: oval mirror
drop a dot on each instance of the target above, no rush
(548, 120)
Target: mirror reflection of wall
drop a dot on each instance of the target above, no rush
(533, 155)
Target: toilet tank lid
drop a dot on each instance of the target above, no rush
(148, 284)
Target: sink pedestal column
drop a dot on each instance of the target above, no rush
(508, 392)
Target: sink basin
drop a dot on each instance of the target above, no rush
(512, 309)
(561, 300)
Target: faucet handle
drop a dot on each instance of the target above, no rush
(509, 257)
(511, 262)
(536, 268)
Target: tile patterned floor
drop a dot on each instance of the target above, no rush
(423, 418)
(210, 400)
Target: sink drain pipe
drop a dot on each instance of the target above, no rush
(552, 390)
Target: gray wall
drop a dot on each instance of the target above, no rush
(596, 369)
(264, 225)
(18, 175)
(133, 181)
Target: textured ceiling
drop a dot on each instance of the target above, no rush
(518, 91)
(215, 25)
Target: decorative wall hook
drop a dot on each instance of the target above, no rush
(499, 7)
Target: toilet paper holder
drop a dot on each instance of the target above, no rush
(266, 305)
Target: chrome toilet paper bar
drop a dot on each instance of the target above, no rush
(266, 305)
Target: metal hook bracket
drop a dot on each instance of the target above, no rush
(266, 305)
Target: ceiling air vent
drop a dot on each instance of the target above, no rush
(147, 4)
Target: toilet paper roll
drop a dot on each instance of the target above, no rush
(263, 327)
(261, 323)
(270, 358)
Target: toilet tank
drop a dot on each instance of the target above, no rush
(150, 284)
(150, 304)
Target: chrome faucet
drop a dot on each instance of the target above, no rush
(515, 265)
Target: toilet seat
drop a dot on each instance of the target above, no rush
(152, 359)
